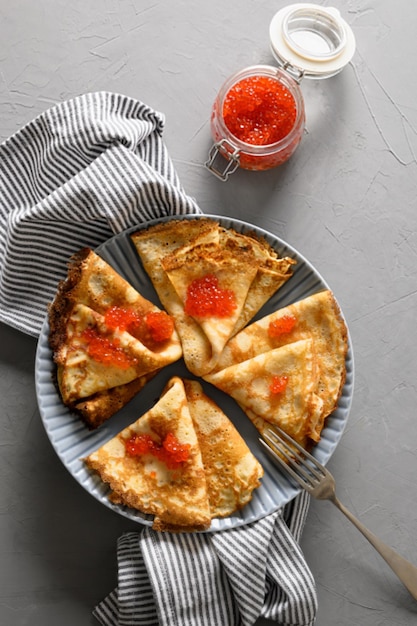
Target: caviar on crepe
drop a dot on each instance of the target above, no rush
(170, 451)
(106, 351)
(160, 325)
(281, 326)
(278, 384)
(151, 329)
(206, 298)
(121, 318)
(154, 327)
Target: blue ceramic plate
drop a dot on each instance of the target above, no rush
(72, 440)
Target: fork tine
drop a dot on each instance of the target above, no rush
(284, 450)
(294, 447)
(297, 462)
(289, 465)
(283, 436)
(287, 469)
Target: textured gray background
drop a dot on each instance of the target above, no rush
(346, 200)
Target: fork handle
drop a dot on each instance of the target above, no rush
(405, 570)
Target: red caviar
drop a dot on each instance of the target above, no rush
(153, 327)
(170, 451)
(281, 326)
(160, 325)
(121, 318)
(259, 110)
(278, 384)
(205, 298)
(257, 120)
(106, 351)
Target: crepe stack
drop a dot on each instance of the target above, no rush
(179, 253)
(301, 350)
(216, 477)
(102, 362)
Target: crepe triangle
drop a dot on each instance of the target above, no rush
(232, 471)
(233, 275)
(99, 407)
(96, 357)
(216, 478)
(91, 291)
(176, 496)
(317, 317)
(272, 271)
(154, 244)
(172, 252)
(296, 407)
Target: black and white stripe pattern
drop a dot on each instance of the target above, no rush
(223, 579)
(76, 175)
(79, 173)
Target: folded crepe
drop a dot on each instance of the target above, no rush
(222, 264)
(159, 241)
(279, 386)
(272, 271)
(232, 471)
(96, 357)
(183, 461)
(317, 317)
(222, 281)
(165, 478)
(107, 339)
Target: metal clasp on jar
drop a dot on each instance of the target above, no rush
(296, 73)
(227, 151)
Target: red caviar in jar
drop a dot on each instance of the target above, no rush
(205, 298)
(281, 326)
(257, 120)
(278, 384)
(170, 451)
(259, 110)
(106, 351)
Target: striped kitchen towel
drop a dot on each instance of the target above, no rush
(229, 578)
(79, 173)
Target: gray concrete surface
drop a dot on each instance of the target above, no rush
(346, 200)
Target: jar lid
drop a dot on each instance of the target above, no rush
(311, 40)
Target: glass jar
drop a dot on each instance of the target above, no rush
(247, 154)
(307, 41)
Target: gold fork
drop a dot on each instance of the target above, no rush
(319, 482)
